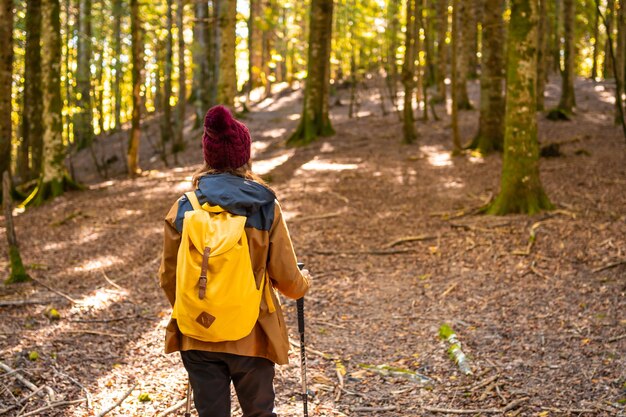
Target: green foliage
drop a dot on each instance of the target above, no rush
(144, 397)
(33, 355)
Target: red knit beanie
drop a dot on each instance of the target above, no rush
(226, 141)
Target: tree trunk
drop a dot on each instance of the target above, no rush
(408, 72)
(117, 42)
(568, 100)
(166, 121)
(216, 53)
(456, 139)
(227, 81)
(596, 44)
(491, 123)
(392, 38)
(54, 179)
(619, 59)
(442, 51)
(255, 45)
(83, 118)
(17, 271)
(520, 187)
(607, 71)
(136, 57)
(463, 51)
(32, 127)
(473, 9)
(179, 141)
(6, 82)
(542, 52)
(315, 121)
(201, 61)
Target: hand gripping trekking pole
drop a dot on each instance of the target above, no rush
(300, 306)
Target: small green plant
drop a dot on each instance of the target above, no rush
(33, 355)
(144, 397)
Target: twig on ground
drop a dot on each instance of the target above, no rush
(110, 281)
(616, 338)
(532, 237)
(484, 382)
(569, 410)
(364, 252)
(318, 216)
(117, 403)
(408, 239)
(96, 332)
(373, 409)
(537, 272)
(313, 351)
(52, 405)
(43, 284)
(27, 383)
(611, 265)
(327, 323)
(509, 407)
(8, 303)
(87, 393)
(173, 408)
(449, 290)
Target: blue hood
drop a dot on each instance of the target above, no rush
(235, 194)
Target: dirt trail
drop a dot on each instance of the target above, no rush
(543, 325)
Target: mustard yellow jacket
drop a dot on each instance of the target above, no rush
(271, 250)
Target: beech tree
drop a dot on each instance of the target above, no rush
(568, 100)
(6, 75)
(315, 121)
(83, 116)
(491, 120)
(136, 58)
(408, 72)
(520, 186)
(227, 78)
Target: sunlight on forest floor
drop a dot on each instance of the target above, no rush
(437, 156)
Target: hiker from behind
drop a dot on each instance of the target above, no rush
(226, 250)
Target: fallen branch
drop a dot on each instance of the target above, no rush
(52, 405)
(386, 370)
(409, 239)
(87, 393)
(312, 351)
(43, 284)
(455, 352)
(373, 409)
(365, 252)
(484, 382)
(173, 408)
(120, 401)
(96, 332)
(8, 303)
(531, 240)
(509, 407)
(616, 338)
(449, 290)
(26, 382)
(611, 265)
(110, 281)
(319, 216)
(537, 272)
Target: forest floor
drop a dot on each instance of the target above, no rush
(542, 321)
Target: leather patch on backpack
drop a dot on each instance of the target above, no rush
(205, 319)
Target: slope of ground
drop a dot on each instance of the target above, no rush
(390, 234)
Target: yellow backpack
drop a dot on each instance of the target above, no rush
(217, 298)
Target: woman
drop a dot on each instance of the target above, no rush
(226, 180)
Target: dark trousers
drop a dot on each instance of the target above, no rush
(210, 374)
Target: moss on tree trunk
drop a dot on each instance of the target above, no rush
(16, 267)
(520, 188)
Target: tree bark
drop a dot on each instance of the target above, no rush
(83, 118)
(520, 187)
(6, 82)
(568, 100)
(456, 139)
(32, 128)
(596, 43)
(619, 58)
(227, 80)
(392, 38)
(315, 121)
(167, 131)
(200, 52)
(542, 52)
(117, 42)
(179, 141)
(16, 267)
(442, 51)
(136, 57)
(409, 130)
(491, 122)
(609, 17)
(464, 47)
(255, 45)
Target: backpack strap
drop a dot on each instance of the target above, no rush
(193, 199)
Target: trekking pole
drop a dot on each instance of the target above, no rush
(188, 408)
(300, 306)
